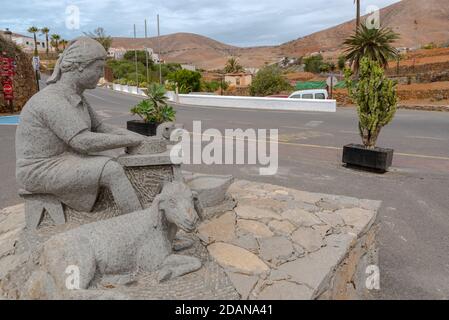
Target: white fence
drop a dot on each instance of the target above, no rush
(128, 89)
(256, 102)
(282, 104)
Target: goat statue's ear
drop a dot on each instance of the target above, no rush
(197, 205)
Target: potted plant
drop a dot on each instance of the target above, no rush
(376, 99)
(153, 111)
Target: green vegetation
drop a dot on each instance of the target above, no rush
(45, 31)
(316, 64)
(126, 69)
(100, 35)
(233, 66)
(34, 30)
(313, 63)
(269, 81)
(141, 57)
(376, 99)
(430, 46)
(55, 41)
(155, 109)
(376, 44)
(187, 81)
(341, 63)
(213, 86)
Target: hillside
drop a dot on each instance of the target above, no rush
(418, 22)
(201, 51)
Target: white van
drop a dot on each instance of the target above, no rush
(310, 94)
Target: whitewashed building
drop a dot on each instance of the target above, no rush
(25, 42)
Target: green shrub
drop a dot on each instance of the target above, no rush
(213, 86)
(313, 63)
(155, 109)
(376, 99)
(269, 81)
(141, 57)
(341, 62)
(429, 46)
(186, 80)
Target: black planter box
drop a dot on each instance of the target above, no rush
(141, 127)
(377, 159)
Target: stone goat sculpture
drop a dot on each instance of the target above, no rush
(123, 245)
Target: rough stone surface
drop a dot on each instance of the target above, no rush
(257, 229)
(221, 229)
(276, 250)
(236, 259)
(24, 82)
(282, 227)
(301, 218)
(357, 218)
(244, 284)
(252, 213)
(248, 242)
(60, 136)
(326, 260)
(285, 290)
(311, 240)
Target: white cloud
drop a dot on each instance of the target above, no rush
(244, 23)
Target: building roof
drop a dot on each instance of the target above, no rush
(238, 74)
(16, 35)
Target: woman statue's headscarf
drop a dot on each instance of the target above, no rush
(80, 52)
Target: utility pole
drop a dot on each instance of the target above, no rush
(159, 45)
(146, 53)
(135, 57)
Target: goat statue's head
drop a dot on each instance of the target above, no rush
(178, 203)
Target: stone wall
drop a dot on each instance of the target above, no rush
(406, 70)
(24, 81)
(430, 91)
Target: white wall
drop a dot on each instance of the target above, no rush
(257, 103)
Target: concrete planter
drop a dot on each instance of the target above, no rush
(377, 159)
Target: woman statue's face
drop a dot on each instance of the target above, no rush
(91, 74)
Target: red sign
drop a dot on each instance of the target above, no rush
(7, 67)
(7, 71)
(8, 90)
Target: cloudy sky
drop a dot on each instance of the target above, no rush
(237, 22)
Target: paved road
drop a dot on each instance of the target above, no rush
(414, 236)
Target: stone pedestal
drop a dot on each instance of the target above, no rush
(278, 243)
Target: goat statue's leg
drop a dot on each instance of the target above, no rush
(177, 265)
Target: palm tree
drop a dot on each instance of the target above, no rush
(376, 44)
(233, 65)
(45, 31)
(55, 41)
(357, 2)
(34, 30)
(63, 43)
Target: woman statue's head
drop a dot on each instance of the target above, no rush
(83, 61)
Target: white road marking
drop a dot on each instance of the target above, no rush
(300, 128)
(428, 138)
(313, 124)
